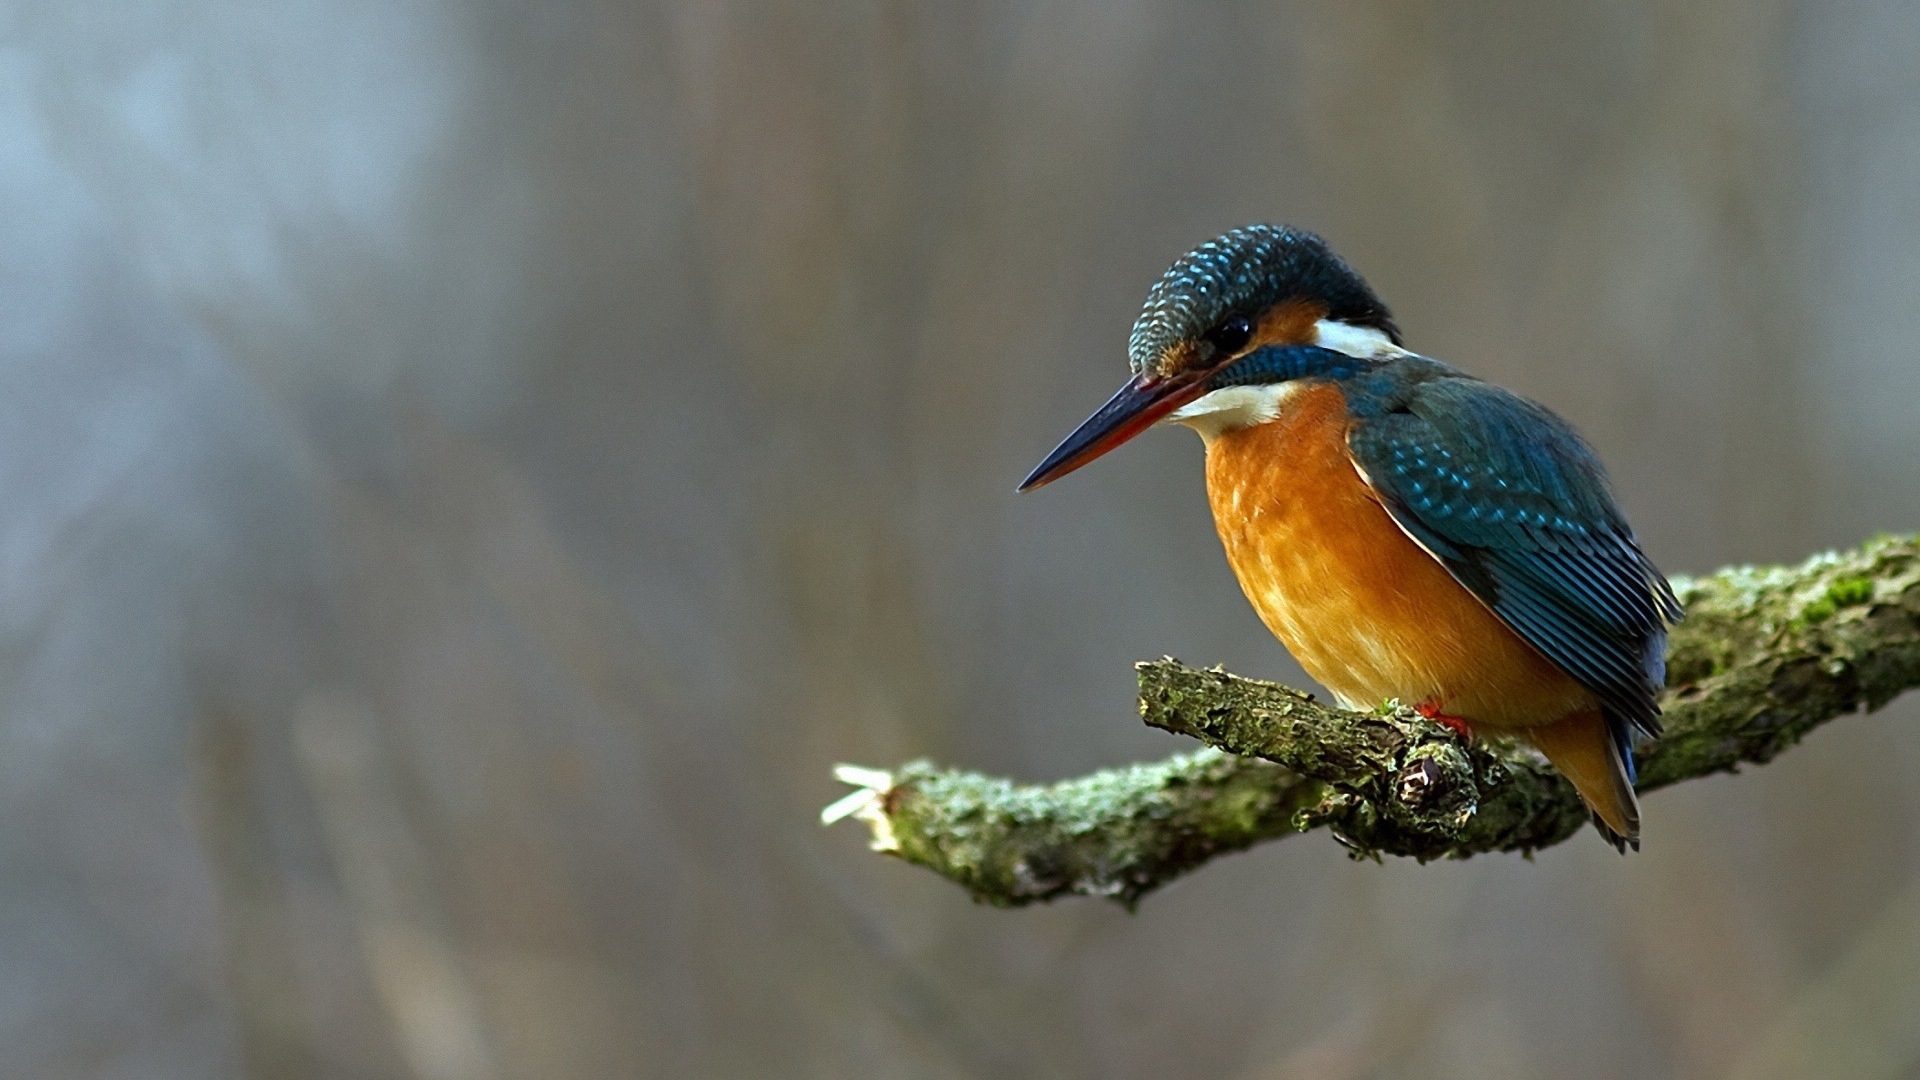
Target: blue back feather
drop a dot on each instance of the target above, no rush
(1516, 506)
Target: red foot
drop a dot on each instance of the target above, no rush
(1431, 710)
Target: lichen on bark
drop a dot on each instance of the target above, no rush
(1764, 656)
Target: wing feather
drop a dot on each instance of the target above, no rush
(1517, 508)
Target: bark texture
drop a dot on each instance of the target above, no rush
(1765, 655)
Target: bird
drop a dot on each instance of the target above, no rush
(1409, 532)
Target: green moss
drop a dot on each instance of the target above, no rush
(1848, 591)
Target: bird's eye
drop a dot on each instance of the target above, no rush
(1231, 335)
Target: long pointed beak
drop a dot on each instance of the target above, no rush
(1139, 404)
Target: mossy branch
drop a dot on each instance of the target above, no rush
(1765, 655)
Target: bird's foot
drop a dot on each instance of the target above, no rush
(1431, 709)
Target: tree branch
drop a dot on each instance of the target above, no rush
(1765, 655)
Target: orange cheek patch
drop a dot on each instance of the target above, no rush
(1289, 323)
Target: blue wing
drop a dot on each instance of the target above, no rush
(1516, 506)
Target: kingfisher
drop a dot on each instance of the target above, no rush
(1408, 531)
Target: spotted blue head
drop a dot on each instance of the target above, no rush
(1262, 304)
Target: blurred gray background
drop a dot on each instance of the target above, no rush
(468, 471)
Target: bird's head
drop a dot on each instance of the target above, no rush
(1256, 309)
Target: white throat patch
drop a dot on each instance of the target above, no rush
(1231, 408)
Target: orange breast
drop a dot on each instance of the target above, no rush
(1363, 608)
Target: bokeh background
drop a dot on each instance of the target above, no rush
(469, 470)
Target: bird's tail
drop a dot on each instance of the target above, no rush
(1582, 747)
